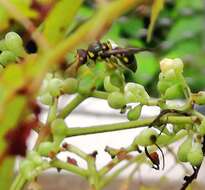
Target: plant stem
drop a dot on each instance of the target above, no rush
(108, 179)
(93, 173)
(69, 167)
(100, 94)
(76, 150)
(78, 131)
(139, 158)
(52, 111)
(18, 183)
(71, 106)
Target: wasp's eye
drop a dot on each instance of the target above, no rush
(82, 55)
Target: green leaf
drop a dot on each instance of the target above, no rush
(157, 6)
(60, 19)
(21, 5)
(24, 7)
(6, 173)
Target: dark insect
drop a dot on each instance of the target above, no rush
(106, 51)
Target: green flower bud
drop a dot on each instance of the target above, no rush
(116, 100)
(46, 99)
(195, 155)
(26, 167)
(84, 71)
(108, 86)
(134, 114)
(7, 57)
(135, 93)
(45, 148)
(168, 64)
(169, 75)
(163, 139)
(162, 86)
(59, 128)
(184, 149)
(54, 86)
(147, 137)
(2, 45)
(86, 85)
(117, 79)
(35, 158)
(174, 92)
(70, 86)
(14, 43)
(199, 98)
(201, 128)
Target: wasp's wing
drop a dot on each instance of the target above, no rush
(123, 51)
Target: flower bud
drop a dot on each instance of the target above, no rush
(184, 149)
(195, 155)
(116, 100)
(146, 137)
(168, 64)
(86, 85)
(162, 86)
(163, 139)
(70, 86)
(108, 86)
(46, 99)
(7, 57)
(134, 113)
(35, 158)
(199, 98)
(14, 43)
(174, 92)
(59, 127)
(45, 148)
(201, 128)
(135, 93)
(54, 86)
(26, 167)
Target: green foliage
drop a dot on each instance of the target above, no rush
(59, 19)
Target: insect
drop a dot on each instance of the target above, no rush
(110, 52)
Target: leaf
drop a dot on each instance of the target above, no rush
(157, 6)
(6, 173)
(60, 19)
(23, 6)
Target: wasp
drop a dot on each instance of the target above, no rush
(109, 52)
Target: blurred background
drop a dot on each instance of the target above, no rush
(179, 32)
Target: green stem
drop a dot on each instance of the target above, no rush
(93, 174)
(78, 131)
(100, 94)
(110, 178)
(18, 182)
(76, 150)
(71, 106)
(139, 158)
(53, 111)
(69, 167)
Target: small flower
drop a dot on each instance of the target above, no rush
(167, 64)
